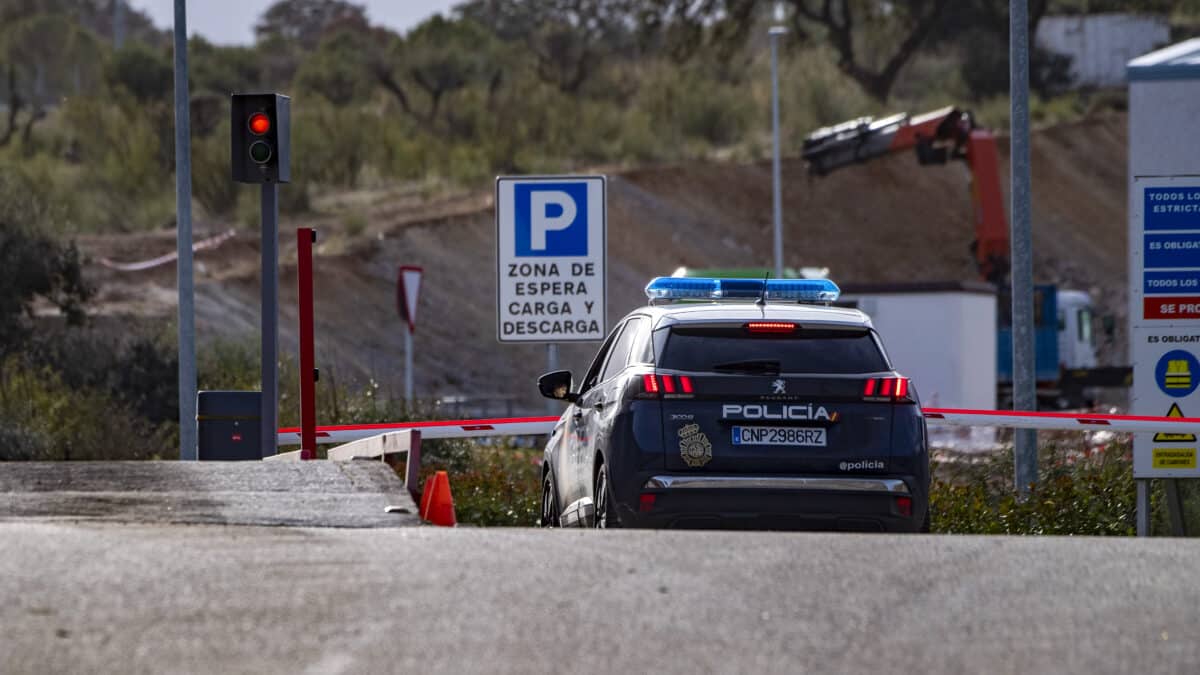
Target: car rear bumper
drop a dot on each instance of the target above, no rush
(858, 503)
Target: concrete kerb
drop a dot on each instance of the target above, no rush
(383, 447)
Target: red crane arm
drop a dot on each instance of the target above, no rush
(937, 137)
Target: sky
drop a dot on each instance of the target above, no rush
(232, 21)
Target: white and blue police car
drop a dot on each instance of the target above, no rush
(738, 403)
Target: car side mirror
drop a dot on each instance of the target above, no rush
(557, 385)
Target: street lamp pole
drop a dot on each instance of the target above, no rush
(183, 207)
(775, 33)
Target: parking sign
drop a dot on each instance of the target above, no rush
(551, 235)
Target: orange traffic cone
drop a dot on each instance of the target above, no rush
(437, 503)
(426, 499)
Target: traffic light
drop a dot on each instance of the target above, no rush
(261, 134)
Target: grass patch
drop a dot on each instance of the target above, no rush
(493, 485)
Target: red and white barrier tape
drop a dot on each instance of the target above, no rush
(211, 242)
(509, 426)
(535, 426)
(1061, 421)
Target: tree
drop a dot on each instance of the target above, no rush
(339, 70)
(436, 59)
(569, 38)
(144, 72)
(895, 30)
(43, 57)
(35, 266)
(222, 70)
(683, 28)
(307, 21)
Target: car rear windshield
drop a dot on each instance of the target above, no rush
(734, 349)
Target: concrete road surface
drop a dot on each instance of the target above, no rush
(117, 598)
(312, 494)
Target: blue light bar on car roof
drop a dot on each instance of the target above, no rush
(780, 290)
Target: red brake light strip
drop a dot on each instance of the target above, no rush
(666, 384)
(650, 384)
(894, 388)
(770, 327)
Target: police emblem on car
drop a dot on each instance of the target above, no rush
(743, 403)
(694, 446)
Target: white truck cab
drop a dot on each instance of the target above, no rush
(1076, 341)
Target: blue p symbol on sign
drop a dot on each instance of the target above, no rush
(551, 219)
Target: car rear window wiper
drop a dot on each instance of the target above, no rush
(763, 366)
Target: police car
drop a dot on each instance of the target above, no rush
(738, 403)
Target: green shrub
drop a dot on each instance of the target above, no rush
(45, 419)
(212, 186)
(1078, 492)
(493, 485)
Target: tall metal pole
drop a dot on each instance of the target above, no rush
(775, 33)
(1024, 354)
(118, 20)
(183, 241)
(408, 366)
(270, 318)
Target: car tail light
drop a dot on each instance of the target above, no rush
(776, 327)
(646, 502)
(869, 387)
(649, 384)
(903, 506)
(668, 384)
(676, 385)
(887, 389)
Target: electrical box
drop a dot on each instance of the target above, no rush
(229, 425)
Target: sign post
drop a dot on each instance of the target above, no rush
(551, 238)
(408, 291)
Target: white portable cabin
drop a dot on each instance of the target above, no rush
(941, 335)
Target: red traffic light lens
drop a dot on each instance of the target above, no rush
(260, 124)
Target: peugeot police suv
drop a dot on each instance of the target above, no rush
(738, 403)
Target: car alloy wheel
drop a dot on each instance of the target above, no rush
(601, 497)
(550, 512)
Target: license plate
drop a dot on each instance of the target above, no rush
(795, 436)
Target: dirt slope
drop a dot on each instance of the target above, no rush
(886, 221)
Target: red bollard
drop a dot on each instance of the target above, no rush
(305, 238)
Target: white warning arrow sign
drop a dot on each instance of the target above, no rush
(408, 289)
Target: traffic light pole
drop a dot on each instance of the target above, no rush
(270, 318)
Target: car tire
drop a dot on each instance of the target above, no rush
(550, 511)
(924, 529)
(606, 513)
